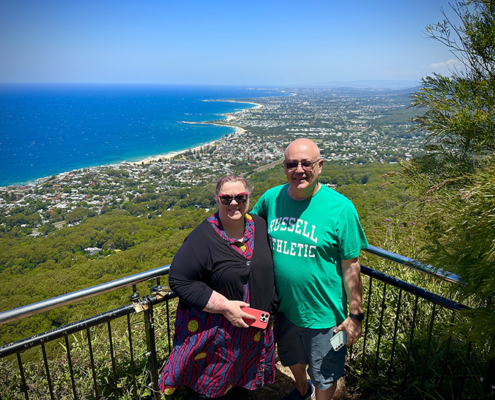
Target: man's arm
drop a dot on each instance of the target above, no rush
(351, 275)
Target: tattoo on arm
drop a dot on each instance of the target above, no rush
(216, 304)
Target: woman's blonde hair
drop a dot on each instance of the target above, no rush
(232, 178)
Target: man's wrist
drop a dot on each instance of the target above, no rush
(357, 317)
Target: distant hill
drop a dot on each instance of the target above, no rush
(369, 84)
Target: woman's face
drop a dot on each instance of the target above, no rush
(234, 211)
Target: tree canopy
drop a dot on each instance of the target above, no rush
(456, 178)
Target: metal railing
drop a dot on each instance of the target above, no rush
(385, 334)
(414, 264)
(66, 299)
(145, 304)
(389, 325)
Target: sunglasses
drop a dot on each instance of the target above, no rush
(240, 198)
(306, 165)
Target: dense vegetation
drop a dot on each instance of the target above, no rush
(38, 268)
(455, 180)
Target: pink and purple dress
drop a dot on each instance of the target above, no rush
(209, 354)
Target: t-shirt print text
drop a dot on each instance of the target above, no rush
(295, 226)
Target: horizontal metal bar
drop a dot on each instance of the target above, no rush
(63, 331)
(59, 301)
(74, 327)
(425, 294)
(415, 264)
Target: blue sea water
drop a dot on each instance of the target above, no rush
(49, 129)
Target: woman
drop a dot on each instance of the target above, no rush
(223, 265)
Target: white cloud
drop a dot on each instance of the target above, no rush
(446, 65)
(446, 68)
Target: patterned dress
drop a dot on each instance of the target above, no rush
(210, 355)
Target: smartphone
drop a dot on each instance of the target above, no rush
(339, 340)
(262, 317)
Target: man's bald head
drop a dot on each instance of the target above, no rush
(303, 145)
(302, 166)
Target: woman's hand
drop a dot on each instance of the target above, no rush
(231, 309)
(235, 314)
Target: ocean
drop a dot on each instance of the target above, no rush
(49, 129)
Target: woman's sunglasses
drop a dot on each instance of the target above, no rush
(240, 198)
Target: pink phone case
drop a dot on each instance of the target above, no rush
(262, 317)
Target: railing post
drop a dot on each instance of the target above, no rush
(93, 371)
(423, 375)
(411, 337)
(396, 326)
(380, 329)
(47, 370)
(24, 386)
(368, 312)
(444, 369)
(112, 356)
(458, 395)
(489, 378)
(149, 323)
(134, 387)
(71, 370)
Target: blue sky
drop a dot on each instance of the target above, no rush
(268, 42)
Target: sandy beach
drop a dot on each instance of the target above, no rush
(172, 154)
(257, 105)
(230, 117)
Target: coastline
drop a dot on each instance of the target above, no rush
(174, 153)
(229, 117)
(256, 105)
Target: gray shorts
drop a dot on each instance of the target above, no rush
(311, 347)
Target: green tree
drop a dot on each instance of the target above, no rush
(78, 214)
(456, 178)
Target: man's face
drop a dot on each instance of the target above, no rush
(301, 178)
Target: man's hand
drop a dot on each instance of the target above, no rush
(352, 327)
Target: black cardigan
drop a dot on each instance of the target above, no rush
(206, 262)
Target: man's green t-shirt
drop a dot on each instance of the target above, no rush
(308, 239)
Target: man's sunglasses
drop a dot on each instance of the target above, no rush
(240, 198)
(306, 165)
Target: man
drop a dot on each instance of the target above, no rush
(316, 237)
